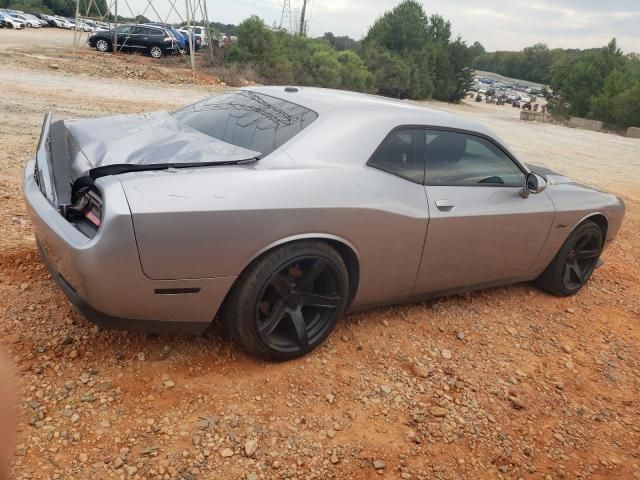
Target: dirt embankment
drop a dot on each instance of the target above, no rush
(503, 383)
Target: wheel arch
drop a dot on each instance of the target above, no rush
(345, 249)
(599, 219)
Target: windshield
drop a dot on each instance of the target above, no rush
(248, 119)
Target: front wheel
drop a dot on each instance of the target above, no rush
(575, 262)
(156, 51)
(288, 301)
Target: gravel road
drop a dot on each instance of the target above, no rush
(504, 383)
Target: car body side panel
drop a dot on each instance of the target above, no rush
(105, 270)
(214, 221)
(574, 203)
(491, 234)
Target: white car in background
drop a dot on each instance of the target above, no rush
(31, 20)
(27, 22)
(198, 32)
(11, 21)
(84, 27)
(62, 22)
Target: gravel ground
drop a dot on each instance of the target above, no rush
(504, 383)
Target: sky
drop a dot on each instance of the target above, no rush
(498, 25)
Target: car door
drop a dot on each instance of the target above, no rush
(153, 36)
(395, 245)
(137, 38)
(481, 230)
(124, 36)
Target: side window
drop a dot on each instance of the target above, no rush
(123, 30)
(454, 158)
(137, 31)
(153, 32)
(400, 155)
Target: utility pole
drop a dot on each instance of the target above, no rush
(302, 15)
(208, 36)
(190, 38)
(75, 28)
(115, 30)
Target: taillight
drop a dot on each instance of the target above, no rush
(93, 208)
(86, 210)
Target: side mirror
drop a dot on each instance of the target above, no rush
(533, 183)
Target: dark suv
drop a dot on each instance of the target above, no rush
(152, 39)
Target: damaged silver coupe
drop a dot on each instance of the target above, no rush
(279, 209)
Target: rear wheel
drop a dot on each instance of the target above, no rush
(575, 262)
(288, 301)
(103, 45)
(156, 51)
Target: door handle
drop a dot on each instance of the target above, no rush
(445, 205)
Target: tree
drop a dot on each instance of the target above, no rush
(603, 84)
(256, 42)
(412, 55)
(406, 54)
(353, 72)
(340, 43)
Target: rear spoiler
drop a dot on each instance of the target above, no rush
(44, 169)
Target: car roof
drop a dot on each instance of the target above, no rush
(326, 101)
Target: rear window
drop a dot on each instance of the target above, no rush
(248, 119)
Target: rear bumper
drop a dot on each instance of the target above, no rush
(102, 275)
(117, 323)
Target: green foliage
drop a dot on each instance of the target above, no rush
(294, 59)
(392, 72)
(601, 84)
(66, 8)
(353, 73)
(406, 54)
(413, 56)
(340, 43)
(533, 63)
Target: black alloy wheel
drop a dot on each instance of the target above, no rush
(575, 262)
(297, 305)
(288, 301)
(582, 260)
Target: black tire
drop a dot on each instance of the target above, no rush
(103, 45)
(288, 301)
(575, 262)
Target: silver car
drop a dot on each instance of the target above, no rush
(278, 209)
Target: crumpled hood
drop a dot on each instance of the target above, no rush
(143, 139)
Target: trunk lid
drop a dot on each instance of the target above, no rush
(70, 150)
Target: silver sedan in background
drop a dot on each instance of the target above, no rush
(278, 209)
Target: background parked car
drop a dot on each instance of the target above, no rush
(63, 22)
(44, 19)
(11, 22)
(155, 40)
(180, 39)
(198, 33)
(31, 23)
